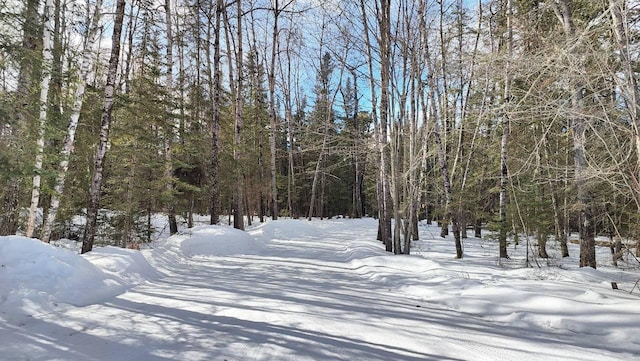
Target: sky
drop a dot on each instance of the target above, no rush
(318, 290)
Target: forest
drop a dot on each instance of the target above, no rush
(516, 118)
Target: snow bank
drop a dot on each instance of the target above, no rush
(36, 276)
(284, 229)
(127, 266)
(210, 241)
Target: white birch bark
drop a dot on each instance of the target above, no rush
(47, 64)
(69, 141)
(170, 126)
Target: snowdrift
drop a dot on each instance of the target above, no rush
(36, 277)
(205, 241)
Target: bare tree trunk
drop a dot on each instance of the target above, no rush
(47, 64)
(504, 173)
(444, 169)
(358, 211)
(272, 109)
(384, 21)
(629, 89)
(261, 210)
(238, 214)
(291, 178)
(316, 173)
(26, 81)
(133, 22)
(8, 219)
(450, 214)
(214, 84)
(101, 152)
(170, 126)
(69, 141)
(384, 223)
(578, 125)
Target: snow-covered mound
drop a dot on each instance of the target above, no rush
(284, 229)
(211, 241)
(35, 276)
(127, 266)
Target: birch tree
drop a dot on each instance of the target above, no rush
(170, 126)
(47, 65)
(88, 56)
(105, 124)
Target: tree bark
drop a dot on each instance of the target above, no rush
(214, 85)
(69, 141)
(384, 23)
(578, 127)
(170, 126)
(273, 120)
(238, 211)
(26, 78)
(47, 64)
(504, 141)
(101, 152)
(450, 214)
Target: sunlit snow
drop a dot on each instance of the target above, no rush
(319, 290)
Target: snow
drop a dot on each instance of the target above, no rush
(212, 241)
(310, 290)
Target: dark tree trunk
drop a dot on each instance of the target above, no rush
(238, 197)
(214, 85)
(27, 77)
(477, 228)
(9, 217)
(542, 246)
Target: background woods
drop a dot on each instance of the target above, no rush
(519, 116)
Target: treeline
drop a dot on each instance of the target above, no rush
(513, 114)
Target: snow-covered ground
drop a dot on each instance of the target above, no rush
(320, 290)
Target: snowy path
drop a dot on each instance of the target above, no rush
(299, 299)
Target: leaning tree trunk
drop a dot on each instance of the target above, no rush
(101, 152)
(316, 173)
(69, 141)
